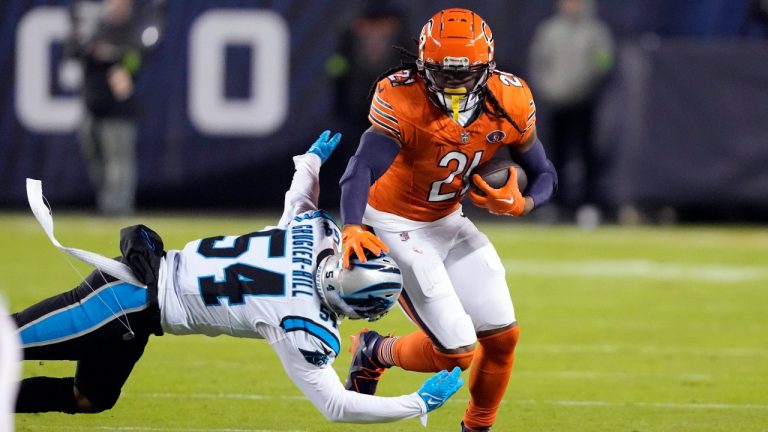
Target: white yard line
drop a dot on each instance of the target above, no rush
(666, 405)
(453, 401)
(698, 377)
(638, 269)
(645, 350)
(574, 403)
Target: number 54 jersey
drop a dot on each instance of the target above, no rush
(233, 285)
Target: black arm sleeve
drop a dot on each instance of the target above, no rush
(541, 171)
(374, 155)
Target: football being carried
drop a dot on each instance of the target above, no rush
(498, 186)
(495, 173)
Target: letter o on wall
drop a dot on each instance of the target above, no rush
(37, 109)
(266, 109)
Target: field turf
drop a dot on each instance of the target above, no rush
(623, 329)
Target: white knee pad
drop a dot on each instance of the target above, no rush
(459, 329)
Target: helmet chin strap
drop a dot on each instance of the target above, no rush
(456, 95)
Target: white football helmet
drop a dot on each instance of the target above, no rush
(366, 291)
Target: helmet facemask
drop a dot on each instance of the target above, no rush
(455, 85)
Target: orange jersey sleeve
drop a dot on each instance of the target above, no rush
(430, 175)
(387, 107)
(516, 98)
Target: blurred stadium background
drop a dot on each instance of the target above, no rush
(225, 102)
(625, 328)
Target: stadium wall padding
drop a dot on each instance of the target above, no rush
(685, 124)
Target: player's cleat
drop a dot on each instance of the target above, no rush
(466, 429)
(364, 371)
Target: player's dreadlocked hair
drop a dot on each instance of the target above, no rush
(496, 109)
(490, 104)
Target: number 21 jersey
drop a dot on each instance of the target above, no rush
(430, 174)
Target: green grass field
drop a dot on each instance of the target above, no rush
(623, 329)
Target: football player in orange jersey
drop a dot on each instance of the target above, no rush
(433, 121)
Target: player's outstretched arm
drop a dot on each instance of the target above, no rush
(305, 187)
(325, 390)
(440, 387)
(375, 154)
(325, 144)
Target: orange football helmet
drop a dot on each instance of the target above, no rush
(456, 57)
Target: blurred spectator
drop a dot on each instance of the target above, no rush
(365, 49)
(111, 58)
(571, 54)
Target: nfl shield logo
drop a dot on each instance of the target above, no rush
(404, 236)
(464, 137)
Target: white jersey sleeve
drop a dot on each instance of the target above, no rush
(322, 386)
(305, 188)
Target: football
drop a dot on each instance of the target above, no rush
(495, 172)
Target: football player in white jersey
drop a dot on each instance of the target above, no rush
(10, 368)
(284, 284)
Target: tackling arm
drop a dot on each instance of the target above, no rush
(323, 388)
(374, 156)
(305, 188)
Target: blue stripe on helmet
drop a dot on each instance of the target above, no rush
(387, 268)
(384, 286)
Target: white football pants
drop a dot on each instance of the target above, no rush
(454, 281)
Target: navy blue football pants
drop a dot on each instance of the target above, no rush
(103, 325)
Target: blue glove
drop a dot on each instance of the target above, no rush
(324, 146)
(436, 390)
